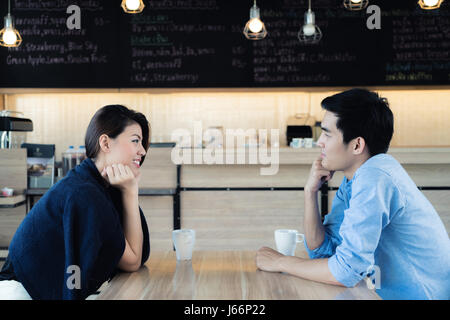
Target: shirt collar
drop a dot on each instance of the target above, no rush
(368, 162)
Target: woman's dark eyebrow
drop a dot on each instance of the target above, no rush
(134, 134)
(325, 129)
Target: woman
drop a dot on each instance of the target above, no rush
(89, 224)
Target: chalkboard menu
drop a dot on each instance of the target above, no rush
(199, 43)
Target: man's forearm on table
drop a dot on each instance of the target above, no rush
(314, 269)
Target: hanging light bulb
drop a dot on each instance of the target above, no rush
(309, 33)
(255, 25)
(430, 4)
(133, 6)
(255, 28)
(355, 5)
(9, 36)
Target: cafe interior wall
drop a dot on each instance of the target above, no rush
(61, 117)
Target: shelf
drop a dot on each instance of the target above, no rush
(12, 202)
(142, 192)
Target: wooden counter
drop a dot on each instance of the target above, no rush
(298, 156)
(13, 169)
(407, 155)
(234, 207)
(160, 172)
(12, 202)
(428, 167)
(13, 174)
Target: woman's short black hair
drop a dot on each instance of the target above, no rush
(362, 113)
(112, 121)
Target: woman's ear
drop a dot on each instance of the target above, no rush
(104, 143)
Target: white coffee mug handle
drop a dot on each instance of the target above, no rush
(300, 235)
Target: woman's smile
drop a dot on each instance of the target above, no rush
(137, 163)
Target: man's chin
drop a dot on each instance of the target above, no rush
(326, 165)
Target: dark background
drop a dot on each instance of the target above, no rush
(199, 43)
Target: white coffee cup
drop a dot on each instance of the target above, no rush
(297, 143)
(183, 240)
(286, 240)
(308, 142)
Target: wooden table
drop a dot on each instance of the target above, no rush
(219, 275)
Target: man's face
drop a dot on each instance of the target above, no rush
(336, 156)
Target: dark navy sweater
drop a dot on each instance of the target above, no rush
(76, 224)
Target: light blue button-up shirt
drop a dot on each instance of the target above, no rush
(380, 222)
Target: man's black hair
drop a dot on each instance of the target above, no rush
(362, 113)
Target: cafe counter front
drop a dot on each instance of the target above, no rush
(231, 206)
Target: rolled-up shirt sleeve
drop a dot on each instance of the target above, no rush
(325, 250)
(373, 196)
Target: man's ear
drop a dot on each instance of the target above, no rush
(358, 145)
(104, 143)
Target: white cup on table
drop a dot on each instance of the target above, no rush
(183, 241)
(286, 241)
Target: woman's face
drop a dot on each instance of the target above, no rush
(127, 148)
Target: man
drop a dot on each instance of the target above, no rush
(379, 220)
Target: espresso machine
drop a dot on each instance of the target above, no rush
(300, 125)
(13, 129)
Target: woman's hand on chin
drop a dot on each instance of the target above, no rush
(121, 176)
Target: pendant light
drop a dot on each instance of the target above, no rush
(9, 36)
(430, 4)
(133, 6)
(355, 5)
(309, 33)
(255, 28)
